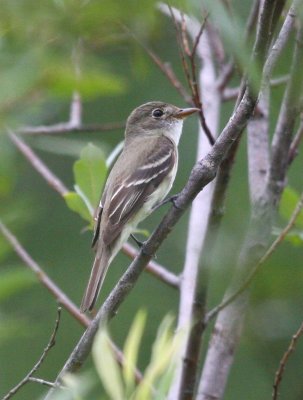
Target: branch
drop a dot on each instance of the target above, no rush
(189, 310)
(166, 69)
(35, 368)
(284, 360)
(281, 40)
(50, 285)
(203, 172)
(42, 277)
(38, 165)
(195, 30)
(211, 314)
(228, 326)
(66, 127)
(258, 148)
(154, 268)
(231, 93)
(289, 111)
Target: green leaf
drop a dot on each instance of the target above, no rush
(288, 203)
(76, 203)
(107, 366)
(90, 173)
(14, 281)
(162, 355)
(131, 349)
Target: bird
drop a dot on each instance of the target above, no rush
(140, 179)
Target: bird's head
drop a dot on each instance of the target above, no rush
(157, 118)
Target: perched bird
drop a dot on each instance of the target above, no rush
(139, 180)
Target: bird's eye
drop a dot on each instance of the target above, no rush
(157, 113)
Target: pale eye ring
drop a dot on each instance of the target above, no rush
(157, 113)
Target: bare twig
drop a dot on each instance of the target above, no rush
(232, 93)
(51, 286)
(35, 368)
(38, 165)
(284, 360)
(43, 277)
(154, 268)
(166, 68)
(66, 127)
(289, 112)
(211, 314)
(195, 30)
(42, 382)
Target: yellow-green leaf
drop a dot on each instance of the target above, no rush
(131, 349)
(288, 203)
(107, 366)
(90, 173)
(77, 204)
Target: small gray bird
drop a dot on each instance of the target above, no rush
(140, 179)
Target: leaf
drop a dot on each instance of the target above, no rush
(288, 203)
(77, 204)
(295, 236)
(107, 366)
(15, 280)
(162, 355)
(131, 349)
(90, 173)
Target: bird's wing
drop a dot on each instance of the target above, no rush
(97, 218)
(128, 196)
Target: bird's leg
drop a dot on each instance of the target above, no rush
(169, 199)
(138, 242)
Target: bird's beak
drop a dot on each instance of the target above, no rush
(185, 112)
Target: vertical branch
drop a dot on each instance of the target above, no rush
(200, 208)
(228, 327)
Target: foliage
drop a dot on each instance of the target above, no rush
(288, 203)
(120, 384)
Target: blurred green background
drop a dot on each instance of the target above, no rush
(48, 49)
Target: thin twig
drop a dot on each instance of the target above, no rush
(284, 360)
(212, 313)
(38, 165)
(165, 68)
(232, 93)
(43, 382)
(190, 70)
(43, 277)
(154, 268)
(66, 127)
(35, 368)
(51, 286)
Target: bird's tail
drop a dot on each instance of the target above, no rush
(99, 269)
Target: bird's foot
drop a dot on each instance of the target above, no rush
(170, 199)
(138, 242)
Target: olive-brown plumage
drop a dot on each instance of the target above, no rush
(141, 177)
